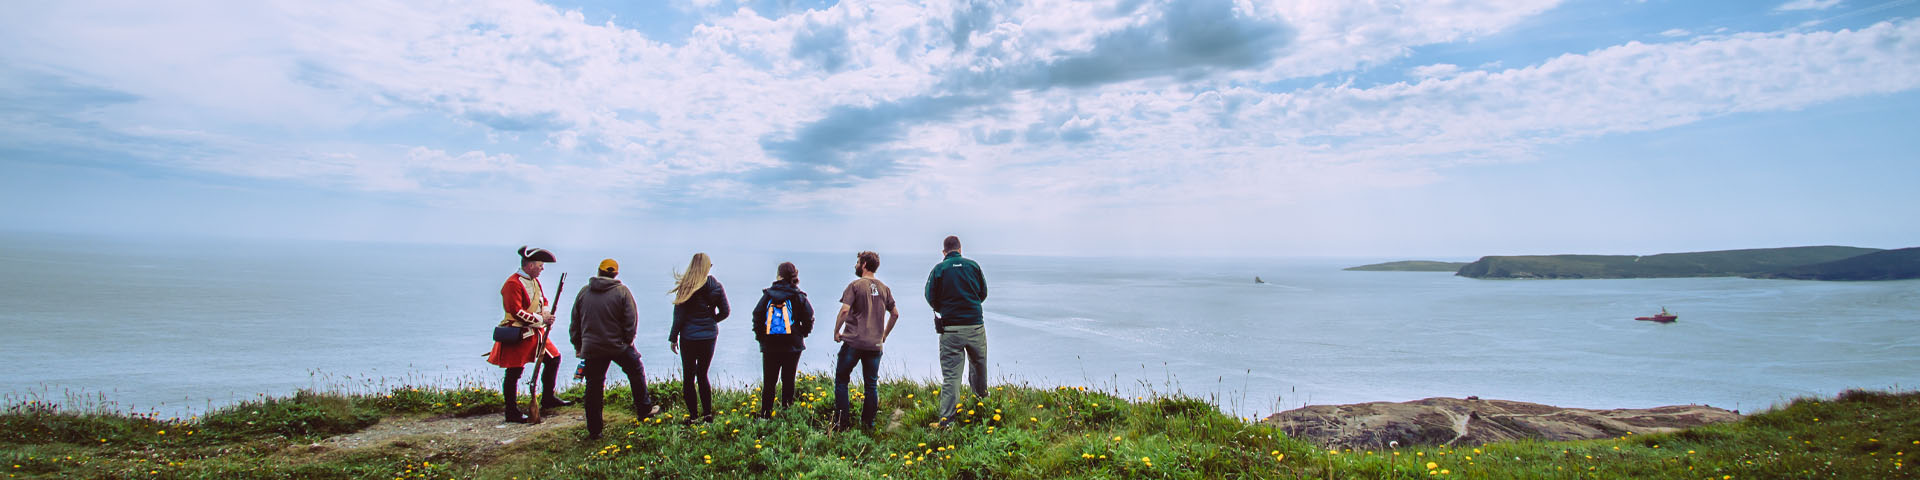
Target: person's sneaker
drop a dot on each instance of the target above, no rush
(645, 411)
(553, 402)
(514, 416)
(591, 437)
(945, 422)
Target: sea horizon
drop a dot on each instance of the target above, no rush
(180, 330)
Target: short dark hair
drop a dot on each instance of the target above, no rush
(869, 261)
(788, 272)
(952, 243)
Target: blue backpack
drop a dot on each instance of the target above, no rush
(780, 318)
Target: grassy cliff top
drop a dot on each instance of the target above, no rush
(1722, 263)
(1021, 431)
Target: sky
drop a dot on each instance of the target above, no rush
(1442, 129)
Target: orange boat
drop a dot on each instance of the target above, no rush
(1663, 317)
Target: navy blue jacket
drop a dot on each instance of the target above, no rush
(699, 317)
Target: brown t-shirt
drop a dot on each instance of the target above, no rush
(869, 301)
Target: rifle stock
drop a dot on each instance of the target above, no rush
(540, 350)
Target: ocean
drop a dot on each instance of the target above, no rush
(177, 327)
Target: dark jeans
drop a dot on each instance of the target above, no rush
(597, 381)
(869, 373)
(776, 368)
(696, 356)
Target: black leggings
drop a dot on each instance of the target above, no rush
(776, 368)
(696, 356)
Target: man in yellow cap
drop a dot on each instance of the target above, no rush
(604, 323)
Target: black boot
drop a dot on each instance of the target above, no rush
(547, 377)
(511, 391)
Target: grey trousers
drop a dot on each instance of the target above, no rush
(962, 346)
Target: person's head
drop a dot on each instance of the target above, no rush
(950, 245)
(534, 260)
(787, 273)
(609, 268)
(689, 281)
(865, 263)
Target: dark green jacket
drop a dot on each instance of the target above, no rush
(955, 289)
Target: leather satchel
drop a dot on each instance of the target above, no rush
(508, 334)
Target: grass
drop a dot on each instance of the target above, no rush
(1020, 431)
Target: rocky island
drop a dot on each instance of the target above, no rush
(1472, 421)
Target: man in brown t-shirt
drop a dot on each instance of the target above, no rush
(861, 331)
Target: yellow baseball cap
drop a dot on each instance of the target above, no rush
(609, 266)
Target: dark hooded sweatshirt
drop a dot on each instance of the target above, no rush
(802, 319)
(604, 320)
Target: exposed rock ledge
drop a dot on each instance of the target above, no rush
(1453, 421)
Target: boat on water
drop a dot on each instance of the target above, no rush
(1662, 317)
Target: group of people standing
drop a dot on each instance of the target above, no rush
(605, 322)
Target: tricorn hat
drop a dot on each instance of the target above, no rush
(530, 254)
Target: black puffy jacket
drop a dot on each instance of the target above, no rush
(699, 317)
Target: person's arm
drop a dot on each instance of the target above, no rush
(760, 318)
(573, 326)
(679, 323)
(513, 297)
(933, 276)
(980, 276)
(803, 316)
(719, 300)
(893, 317)
(840, 321)
(629, 314)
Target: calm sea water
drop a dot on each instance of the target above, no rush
(177, 327)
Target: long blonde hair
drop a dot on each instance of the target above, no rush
(685, 283)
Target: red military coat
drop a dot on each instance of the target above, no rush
(523, 300)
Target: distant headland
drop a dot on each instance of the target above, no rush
(1798, 263)
(1410, 266)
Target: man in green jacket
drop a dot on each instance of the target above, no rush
(955, 289)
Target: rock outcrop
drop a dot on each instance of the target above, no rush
(1453, 421)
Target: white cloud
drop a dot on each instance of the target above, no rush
(1797, 5)
(1435, 70)
(957, 103)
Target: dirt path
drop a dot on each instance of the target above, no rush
(464, 435)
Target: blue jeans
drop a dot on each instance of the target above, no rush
(869, 372)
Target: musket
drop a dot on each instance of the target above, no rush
(540, 349)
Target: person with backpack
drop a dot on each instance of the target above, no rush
(861, 332)
(699, 304)
(604, 324)
(781, 322)
(955, 289)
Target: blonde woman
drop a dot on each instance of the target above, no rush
(699, 304)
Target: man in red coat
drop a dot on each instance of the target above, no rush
(527, 308)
